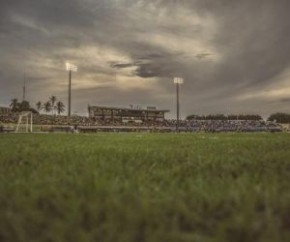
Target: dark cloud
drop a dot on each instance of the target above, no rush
(122, 65)
(287, 100)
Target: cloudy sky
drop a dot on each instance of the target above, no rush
(234, 56)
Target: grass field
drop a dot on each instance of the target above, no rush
(145, 187)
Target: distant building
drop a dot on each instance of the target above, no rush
(5, 110)
(126, 114)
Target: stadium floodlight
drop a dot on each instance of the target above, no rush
(177, 81)
(70, 68)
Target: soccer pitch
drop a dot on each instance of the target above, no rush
(145, 187)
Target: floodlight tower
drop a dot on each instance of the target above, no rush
(24, 90)
(177, 81)
(70, 68)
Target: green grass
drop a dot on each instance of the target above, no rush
(145, 187)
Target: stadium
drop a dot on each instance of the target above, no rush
(144, 121)
(132, 174)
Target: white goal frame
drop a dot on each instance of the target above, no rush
(28, 123)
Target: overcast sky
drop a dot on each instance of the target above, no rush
(234, 55)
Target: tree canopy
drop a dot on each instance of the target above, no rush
(280, 118)
(17, 106)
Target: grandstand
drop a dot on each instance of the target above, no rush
(127, 115)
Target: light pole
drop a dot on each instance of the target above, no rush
(70, 68)
(177, 81)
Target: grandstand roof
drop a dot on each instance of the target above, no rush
(131, 109)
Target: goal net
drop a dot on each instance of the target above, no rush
(25, 122)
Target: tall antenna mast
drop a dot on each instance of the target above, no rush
(24, 89)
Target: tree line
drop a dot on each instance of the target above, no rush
(275, 117)
(52, 105)
(282, 118)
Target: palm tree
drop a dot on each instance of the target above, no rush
(47, 107)
(53, 100)
(15, 105)
(39, 106)
(60, 108)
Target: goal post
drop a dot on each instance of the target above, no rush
(25, 121)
